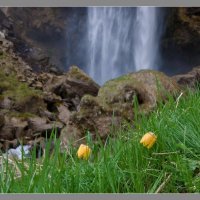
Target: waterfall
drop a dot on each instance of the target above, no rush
(121, 40)
(146, 38)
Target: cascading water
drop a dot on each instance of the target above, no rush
(146, 38)
(110, 42)
(121, 40)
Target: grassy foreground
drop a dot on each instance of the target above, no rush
(122, 164)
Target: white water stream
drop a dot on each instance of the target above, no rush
(121, 40)
(146, 38)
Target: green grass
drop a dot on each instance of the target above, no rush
(122, 164)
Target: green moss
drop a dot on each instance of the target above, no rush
(1, 55)
(14, 89)
(112, 87)
(77, 73)
(119, 79)
(21, 115)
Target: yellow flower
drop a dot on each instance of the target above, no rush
(148, 140)
(84, 152)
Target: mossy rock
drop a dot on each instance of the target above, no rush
(77, 74)
(25, 115)
(143, 86)
(120, 98)
(23, 97)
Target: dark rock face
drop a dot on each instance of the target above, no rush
(40, 35)
(70, 87)
(181, 38)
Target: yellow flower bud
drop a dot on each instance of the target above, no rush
(148, 140)
(84, 152)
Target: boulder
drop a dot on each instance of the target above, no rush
(63, 113)
(71, 86)
(25, 127)
(7, 144)
(1, 120)
(115, 103)
(190, 79)
(5, 103)
(70, 134)
(41, 126)
(5, 44)
(33, 104)
(14, 127)
(80, 82)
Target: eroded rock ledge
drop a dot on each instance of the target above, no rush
(33, 104)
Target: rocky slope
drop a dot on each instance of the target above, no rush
(33, 104)
(35, 97)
